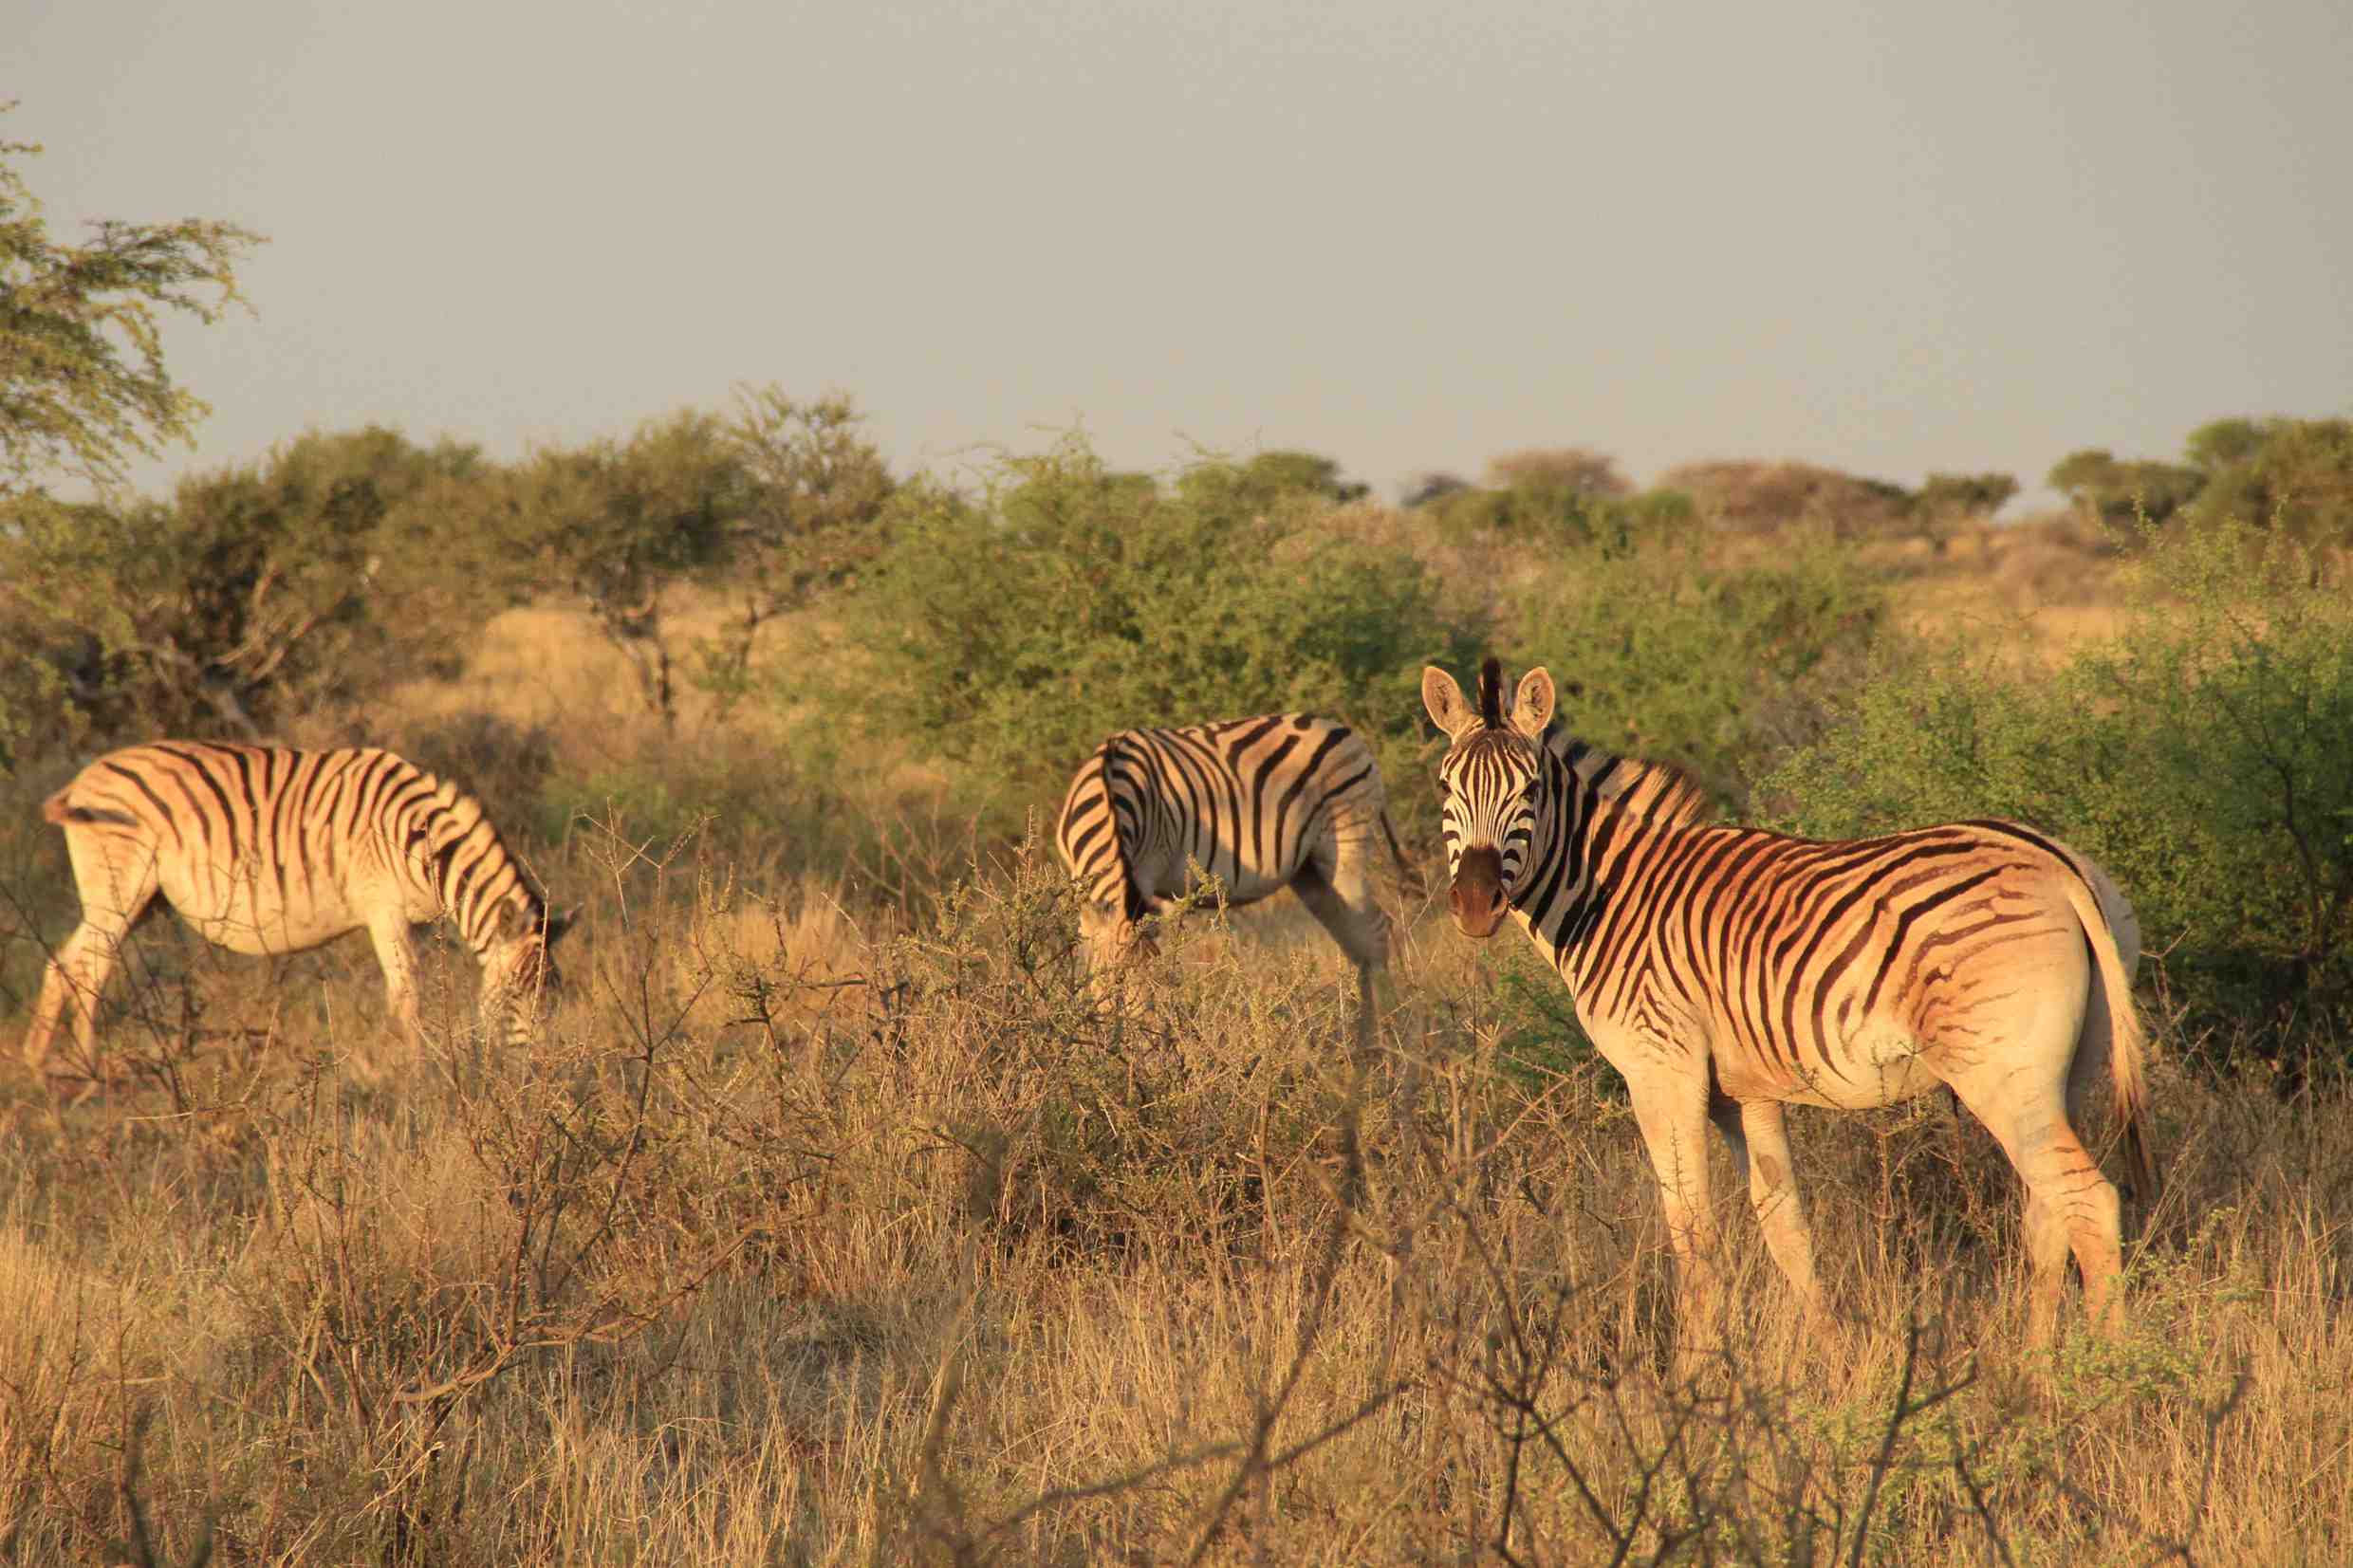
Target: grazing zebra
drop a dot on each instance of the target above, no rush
(1258, 804)
(1727, 972)
(265, 850)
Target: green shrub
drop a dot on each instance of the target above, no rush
(2295, 476)
(2118, 493)
(2203, 758)
(1567, 497)
(256, 593)
(1011, 632)
(1662, 653)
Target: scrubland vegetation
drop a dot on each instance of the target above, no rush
(833, 1218)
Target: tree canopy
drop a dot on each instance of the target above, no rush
(82, 384)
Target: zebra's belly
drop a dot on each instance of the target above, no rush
(252, 914)
(1871, 1067)
(1247, 887)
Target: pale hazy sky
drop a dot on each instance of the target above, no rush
(1888, 237)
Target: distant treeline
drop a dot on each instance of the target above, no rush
(1002, 626)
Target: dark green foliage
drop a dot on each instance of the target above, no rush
(2295, 476)
(1011, 632)
(620, 523)
(1660, 653)
(1268, 479)
(1553, 496)
(255, 593)
(813, 521)
(2116, 492)
(1435, 486)
(1965, 494)
(2203, 759)
(1946, 501)
(767, 508)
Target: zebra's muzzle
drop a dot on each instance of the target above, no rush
(1478, 896)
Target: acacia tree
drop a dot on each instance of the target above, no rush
(82, 384)
(819, 489)
(622, 525)
(1945, 500)
(82, 391)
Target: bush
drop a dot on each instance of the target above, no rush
(1563, 496)
(1752, 497)
(257, 592)
(2200, 758)
(2295, 476)
(1663, 654)
(2120, 493)
(1013, 632)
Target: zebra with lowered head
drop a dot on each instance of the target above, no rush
(1727, 972)
(265, 850)
(1282, 800)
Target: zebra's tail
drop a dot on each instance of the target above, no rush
(57, 809)
(2127, 1039)
(1405, 863)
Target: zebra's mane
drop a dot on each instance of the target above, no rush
(449, 815)
(1661, 792)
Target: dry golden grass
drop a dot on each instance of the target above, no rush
(826, 1226)
(745, 1264)
(2039, 590)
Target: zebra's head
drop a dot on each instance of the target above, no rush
(518, 976)
(1491, 783)
(1112, 932)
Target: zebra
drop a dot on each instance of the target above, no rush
(1258, 804)
(267, 850)
(1728, 972)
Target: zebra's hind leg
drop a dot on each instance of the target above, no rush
(114, 899)
(1759, 1140)
(2070, 1206)
(72, 982)
(1343, 903)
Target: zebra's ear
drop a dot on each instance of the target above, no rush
(560, 921)
(1444, 698)
(1531, 709)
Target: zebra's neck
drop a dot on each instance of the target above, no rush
(465, 864)
(1602, 807)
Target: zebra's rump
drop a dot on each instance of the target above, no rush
(1246, 801)
(59, 809)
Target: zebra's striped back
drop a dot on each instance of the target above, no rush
(1281, 800)
(1718, 965)
(271, 850)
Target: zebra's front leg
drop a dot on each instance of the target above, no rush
(397, 959)
(1340, 896)
(1672, 1110)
